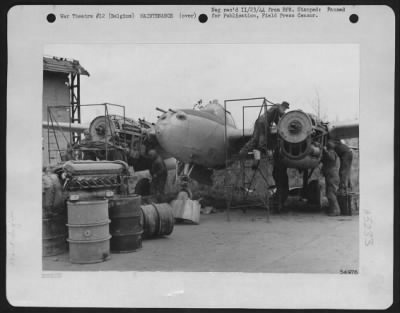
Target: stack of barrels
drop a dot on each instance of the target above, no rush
(88, 229)
(98, 227)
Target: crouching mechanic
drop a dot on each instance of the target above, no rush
(346, 159)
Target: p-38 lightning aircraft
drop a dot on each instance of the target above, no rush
(202, 139)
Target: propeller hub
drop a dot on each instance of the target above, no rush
(295, 127)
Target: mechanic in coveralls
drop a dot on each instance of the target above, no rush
(258, 140)
(329, 158)
(346, 158)
(159, 175)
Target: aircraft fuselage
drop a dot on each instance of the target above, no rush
(193, 136)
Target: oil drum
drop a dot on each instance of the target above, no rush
(54, 235)
(54, 217)
(88, 230)
(158, 220)
(52, 196)
(126, 226)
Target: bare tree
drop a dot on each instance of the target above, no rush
(316, 106)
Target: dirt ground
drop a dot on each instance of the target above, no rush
(291, 242)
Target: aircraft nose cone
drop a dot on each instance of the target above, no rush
(172, 133)
(169, 128)
(160, 128)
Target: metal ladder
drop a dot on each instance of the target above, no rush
(53, 146)
(244, 184)
(244, 188)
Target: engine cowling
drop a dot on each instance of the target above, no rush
(301, 137)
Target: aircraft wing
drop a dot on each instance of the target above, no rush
(79, 128)
(238, 138)
(344, 130)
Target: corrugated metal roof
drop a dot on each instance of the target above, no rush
(63, 65)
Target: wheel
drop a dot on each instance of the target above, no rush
(313, 193)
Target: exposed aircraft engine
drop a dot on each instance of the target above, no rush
(108, 127)
(94, 178)
(301, 137)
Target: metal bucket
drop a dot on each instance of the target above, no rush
(88, 229)
(126, 226)
(54, 235)
(158, 220)
(188, 210)
(345, 204)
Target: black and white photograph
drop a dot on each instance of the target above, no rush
(176, 155)
(189, 153)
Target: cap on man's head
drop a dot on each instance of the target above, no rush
(285, 104)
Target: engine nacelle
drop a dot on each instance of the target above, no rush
(301, 137)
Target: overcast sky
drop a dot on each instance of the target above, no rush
(144, 76)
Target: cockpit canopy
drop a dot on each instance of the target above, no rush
(218, 110)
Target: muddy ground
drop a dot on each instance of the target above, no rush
(291, 242)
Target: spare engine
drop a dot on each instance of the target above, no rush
(117, 129)
(92, 179)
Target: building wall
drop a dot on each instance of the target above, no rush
(55, 93)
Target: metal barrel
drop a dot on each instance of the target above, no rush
(158, 220)
(150, 221)
(88, 230)
(87, 212)
(89, 251)
(54, 235)
(52, 196)
(166, 217)
(126, 226)
(54, 218)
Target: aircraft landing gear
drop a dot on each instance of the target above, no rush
(182, 178)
